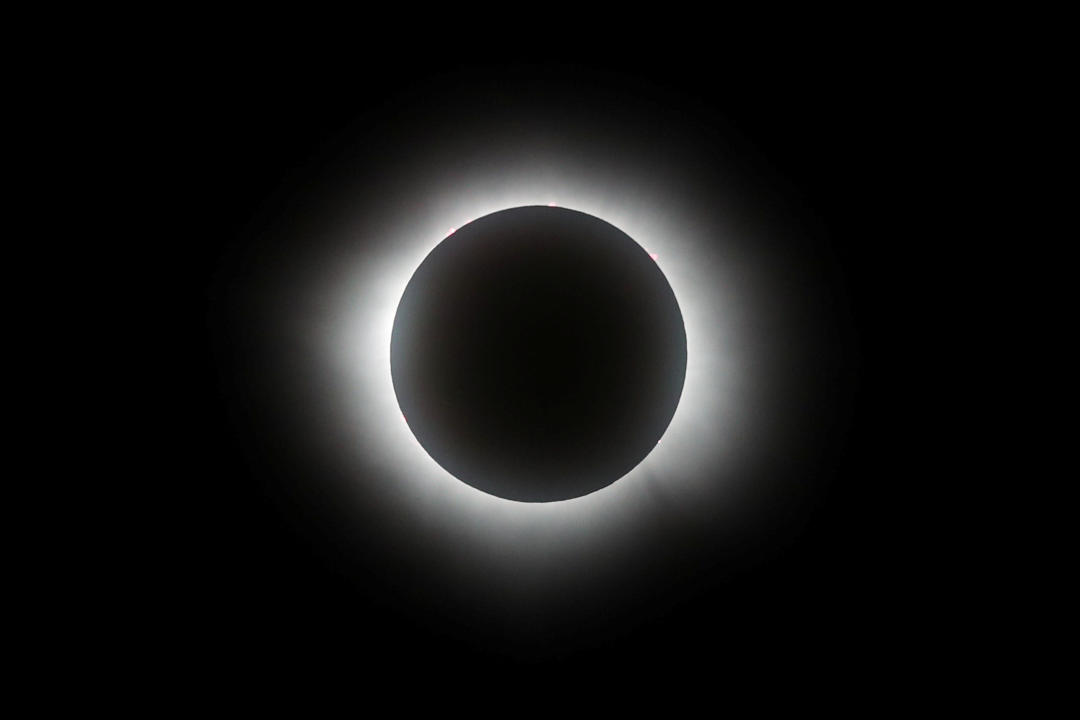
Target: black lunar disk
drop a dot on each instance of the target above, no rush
(538, 354)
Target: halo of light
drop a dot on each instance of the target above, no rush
(702, 431)
(718, 257)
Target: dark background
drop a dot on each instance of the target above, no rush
(837, 128)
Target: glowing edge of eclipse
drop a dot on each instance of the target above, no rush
(368, 296)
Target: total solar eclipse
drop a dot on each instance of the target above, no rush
(538, 354)
(538, 365)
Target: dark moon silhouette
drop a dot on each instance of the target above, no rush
(538, 354)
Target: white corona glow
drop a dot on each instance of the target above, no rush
(702, 445)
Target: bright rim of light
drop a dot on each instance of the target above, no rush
(703, 431)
